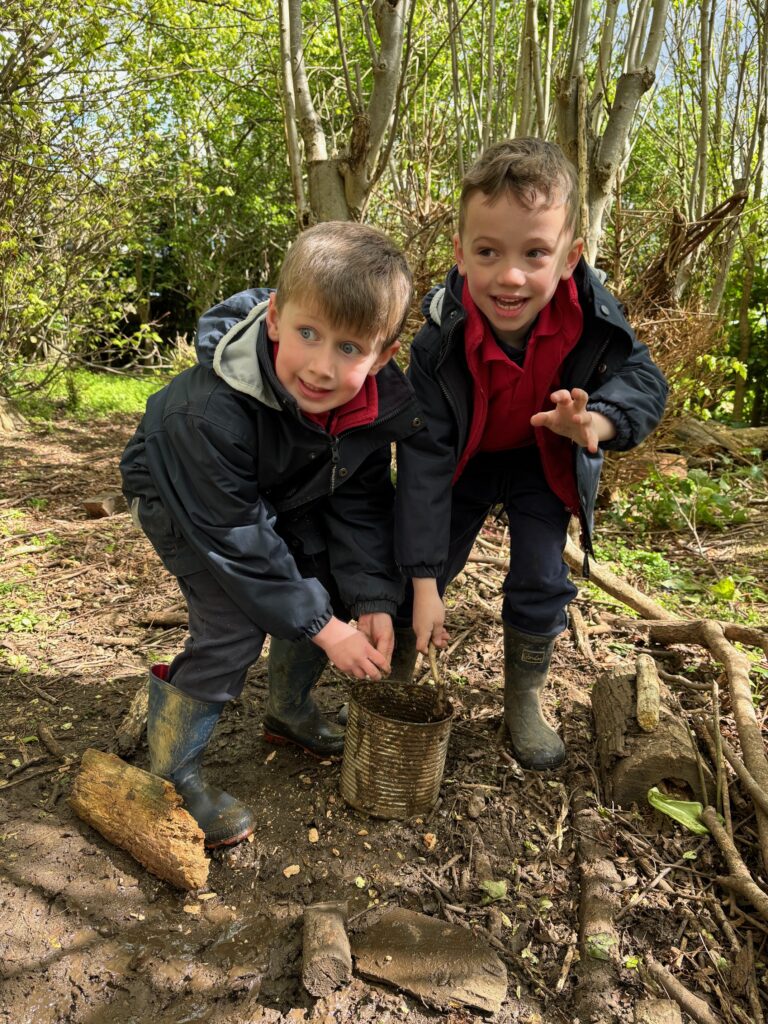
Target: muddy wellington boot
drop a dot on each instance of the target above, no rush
(292, 716)
(178, 730)
(403, 663)
(526, 666)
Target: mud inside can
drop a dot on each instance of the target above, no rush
(395, 748)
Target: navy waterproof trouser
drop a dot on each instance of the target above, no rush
(223, 642)
(537, 588)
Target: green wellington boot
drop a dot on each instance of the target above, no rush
(178, 730)
(292, 716)
(403, 663)
(526, 666)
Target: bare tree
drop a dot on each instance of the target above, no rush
(596, 134)
(339, 181)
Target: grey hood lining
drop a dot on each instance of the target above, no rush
(236, 360)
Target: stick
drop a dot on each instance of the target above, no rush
(327, 958)
(648, 698)
(739, 880)
(688, 1001)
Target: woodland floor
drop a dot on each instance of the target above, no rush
(88, 936)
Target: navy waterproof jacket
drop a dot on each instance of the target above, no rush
(225, 474)
(608, 362)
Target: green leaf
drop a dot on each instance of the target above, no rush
(724, 588)
(601, 945)
(493, 891)
(687, 812)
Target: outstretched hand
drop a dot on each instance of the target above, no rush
(570, 418)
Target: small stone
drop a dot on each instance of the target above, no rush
(291, 870)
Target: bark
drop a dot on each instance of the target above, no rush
(327, 962)
(339, 186)
(142, 814)
(132, 726)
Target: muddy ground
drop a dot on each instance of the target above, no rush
(88, 936)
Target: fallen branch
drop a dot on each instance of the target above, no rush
(740, 879)
(688, 1001)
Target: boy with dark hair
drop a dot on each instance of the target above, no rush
(262, 478)
(525, 369)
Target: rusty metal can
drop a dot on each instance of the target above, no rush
(394, 750)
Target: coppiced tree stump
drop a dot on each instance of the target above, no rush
(132, 726)
(632, 761)
(142, 814)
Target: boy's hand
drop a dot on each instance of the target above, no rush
(570, 418)
(377, 626)
(428, 615)
(349, 650)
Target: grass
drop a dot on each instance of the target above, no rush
(88, 394)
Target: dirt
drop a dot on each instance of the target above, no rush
(88, 936)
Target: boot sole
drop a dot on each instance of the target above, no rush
(216, 844)
(284, 741)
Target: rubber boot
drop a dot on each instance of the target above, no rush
(178, 730)
(292, 716)
(526, 666)
(403, 663)
(404, 656)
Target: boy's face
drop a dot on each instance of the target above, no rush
(320, 365)
(513, 258)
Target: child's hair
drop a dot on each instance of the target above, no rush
(529, 169)
(356, 275)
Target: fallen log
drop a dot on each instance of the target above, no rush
(140, 813)
(598, 993)
(632, 761)
(327, 959)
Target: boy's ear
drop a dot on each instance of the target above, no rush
(573, 257)
(458, 253)
(383, 357)
(273, 317)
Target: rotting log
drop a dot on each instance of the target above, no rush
(632, 761)
(327, 959)
(142, 814)
(132, 726)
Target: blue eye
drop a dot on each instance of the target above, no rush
(349, 349)
(306, 333)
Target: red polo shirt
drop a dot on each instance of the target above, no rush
(507, 395)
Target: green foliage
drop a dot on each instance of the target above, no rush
(698, 500)
(88, 395)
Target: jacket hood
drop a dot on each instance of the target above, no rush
(236, 357)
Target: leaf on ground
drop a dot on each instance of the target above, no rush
(687, 812)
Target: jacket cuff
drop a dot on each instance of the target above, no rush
(421, 572)
(371, 607)
(623, 436)
(316, 625)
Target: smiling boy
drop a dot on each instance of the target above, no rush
(262, 478)
(526, 369)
